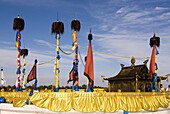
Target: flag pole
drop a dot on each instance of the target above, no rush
(154, 42)
(2, 78)
(75, 24)
(88, 71)
(57, 64)
(19, 26)
(58, 28)
(24, 53)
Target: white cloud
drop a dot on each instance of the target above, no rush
(161, 8)
(44, 43)
(104, 27)
(126, 9)
(6, 43)
(164, 16)
(120, 10)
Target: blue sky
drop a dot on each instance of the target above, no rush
(121, 27)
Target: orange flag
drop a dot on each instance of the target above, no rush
(89, 72)
(71, 76)
(152, 62)
(32, 74)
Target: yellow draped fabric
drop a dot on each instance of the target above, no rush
(9, 96)
(84, 102)
(92, 101)
(54, 101)
(19, 103)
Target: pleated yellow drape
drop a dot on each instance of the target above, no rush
(107, 102)
(91, 101)
(84, 102)
(152, 101)
(19, 103)
(54, 101)
(130, 102)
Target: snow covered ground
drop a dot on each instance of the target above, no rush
(31, 109)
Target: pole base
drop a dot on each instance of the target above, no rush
(125, 112)
(17, 89)
(88, 89)
(56, 90)
(77, 88)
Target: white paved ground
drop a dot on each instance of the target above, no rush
(31, 109)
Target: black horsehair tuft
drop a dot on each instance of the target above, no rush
(24, 52)
(57, 27)
(75, 24)
(90, 37)
(18, 24)
(154, 41)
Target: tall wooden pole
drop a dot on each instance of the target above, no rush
(18, 62)
(57, 64)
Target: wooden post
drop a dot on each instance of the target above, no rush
(109, 86)
(136, 82)
(158, 85)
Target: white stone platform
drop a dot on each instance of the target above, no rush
(6, 108)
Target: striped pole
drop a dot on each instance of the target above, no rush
(23, 71)
(57, 28)
(75, 24)
(76, 60)
(154, 42)
(18, 25)
(155, 74)
(18, 61)
(56, 72)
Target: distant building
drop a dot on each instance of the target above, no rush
(132, 78)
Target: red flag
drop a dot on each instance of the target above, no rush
(152, 62)
(89, 66)
(71, 75)
(32, 74)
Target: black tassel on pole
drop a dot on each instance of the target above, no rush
(75, 24)
(154, 41)
(90, 37)
(57, 27)
(35, 62)
(24, 52)
(18, 23)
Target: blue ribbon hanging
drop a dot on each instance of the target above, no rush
(30, 94)
(154, 81)
(157, 52)
(23, 70)
(18, 70)
(58, 57)
(35, 84)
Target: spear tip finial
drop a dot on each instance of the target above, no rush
(154, 33)
(57, 17)
(75, 15)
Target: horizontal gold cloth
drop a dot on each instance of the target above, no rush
(92, 101)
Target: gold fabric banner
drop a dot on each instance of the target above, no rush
(19, 103)
(91, 101)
